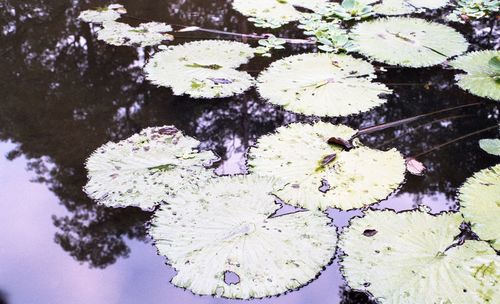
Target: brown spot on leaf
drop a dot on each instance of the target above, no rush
(346, 144)
(369, 232)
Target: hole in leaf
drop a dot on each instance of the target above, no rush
(231, 278)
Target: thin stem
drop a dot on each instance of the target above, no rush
(384, 126)
(214, 31)
(455, 140)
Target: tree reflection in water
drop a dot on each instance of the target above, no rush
(65, 94)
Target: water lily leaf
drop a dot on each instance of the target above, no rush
(491, 146)
(411, 260)
(414, 166)
(275, 13)
(145, 169)
(146, 34)
(480, 204)
(227, 226)
(482, 78)
(401, 7)
(109, 13)
(410, 42)
(322, 84)
(296, 154)
(202, 69)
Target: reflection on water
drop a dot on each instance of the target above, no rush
(64, 94)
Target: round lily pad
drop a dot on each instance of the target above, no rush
(410, 42)
(320, 173)
(490, 145)
(146, 34)
(226, 229)
(275, 13)
(401, 7)
(146, 168)
(322, 84)
(480, 204)
(414, 258)
(98, 16)
(202, 69)
(483, 73)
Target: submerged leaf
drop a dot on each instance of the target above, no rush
(299, 154)
(146, 168)
(202, 69)
(414, 166)
(275, 13)
(322, 84)
(410, 42)
(412, 259)
(480, 204)
(401, 7)
(491, 146)
(146, 34)
(482, 78)
(227, 226)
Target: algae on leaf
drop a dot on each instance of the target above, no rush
(227, 226)
(320, 173)
(202, 69)
(322, 84)
(410, 42)
(146, 168)
(479, 199)
(413, 258)
(483, 73)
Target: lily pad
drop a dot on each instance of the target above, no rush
(490, 145)
(275, 13)
(480, 204)
(483, 73)
(413, 258)
(401, 7)
(410, 42)
(146, 169)
(146, 34)
(202, 69)
(98, 16)
(227, 227)
(319, 174)
(322, 84)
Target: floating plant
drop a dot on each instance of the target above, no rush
(414, 258)
(202, 69)
(410, 42)
(490, 145)
(480, 204)
(483, 73)
(146, 34)
(275, 13)
(474, 9)
(401, 7)
(322, 169)
(145, 169)
(227, 228)
(322, 84)
(109, 13)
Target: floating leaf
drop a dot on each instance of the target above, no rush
(146, 168)
(401, 7)
(414, 166)
(227, 226)
(146, 34)
(355, 178)
(480, 204)
(275, 13)
(491, 146)
(202, 69)
(413, 259)
(322, 84)
(109, 13)
(483, 76)
(410, 42)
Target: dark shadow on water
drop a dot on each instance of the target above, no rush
(3, 297)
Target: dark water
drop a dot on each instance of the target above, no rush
(63, 94)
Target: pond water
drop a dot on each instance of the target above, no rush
(64, 93)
